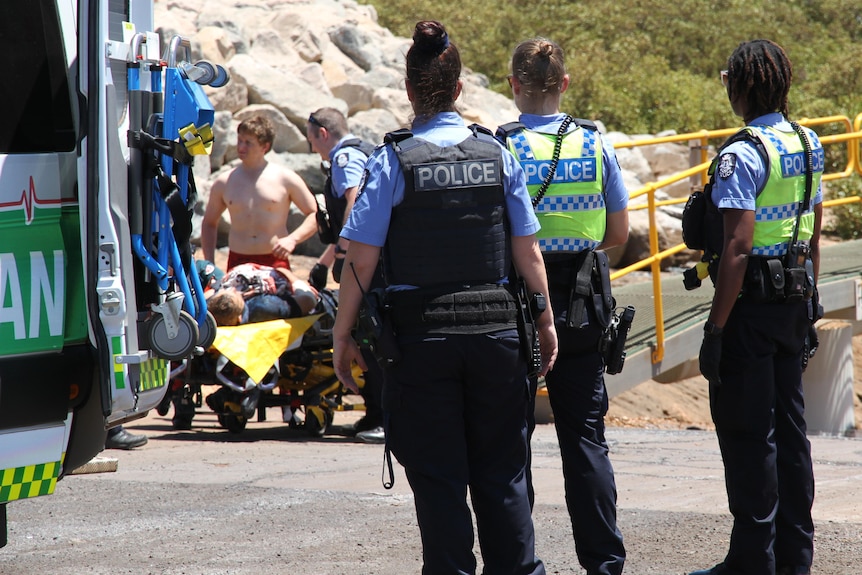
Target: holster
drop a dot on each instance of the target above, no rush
(589, 282)
(374, 329)
(324, 227)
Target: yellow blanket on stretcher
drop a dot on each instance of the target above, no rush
(255, 347)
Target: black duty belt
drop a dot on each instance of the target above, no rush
(772, 280)
(477, 310)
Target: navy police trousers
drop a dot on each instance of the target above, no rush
(456, 407)
(758, 412)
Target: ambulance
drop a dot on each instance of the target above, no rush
(96, 302)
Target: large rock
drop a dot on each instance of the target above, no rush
(288, 138)
(295, 97)
(231, 98)
(357, 44)
(214, 44)
(372, 125)
(632, 159)
(666, 160)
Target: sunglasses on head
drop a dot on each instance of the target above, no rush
(315, 121)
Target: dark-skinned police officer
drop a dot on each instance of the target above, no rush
(449, 209)
(762, 231)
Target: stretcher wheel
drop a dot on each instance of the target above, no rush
(207, 331)
(213, 74)
(317, 420)
(232, 422)
(179, 347)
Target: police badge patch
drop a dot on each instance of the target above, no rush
(341, 160)
(726, 166)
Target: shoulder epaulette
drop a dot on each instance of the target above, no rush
(361, 145)
(589, 124)
(504, 131)
(748, 135)
(483, 133)
(397, 136)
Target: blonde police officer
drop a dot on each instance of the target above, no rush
(577, 190)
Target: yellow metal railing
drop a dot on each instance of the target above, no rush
(700, 141)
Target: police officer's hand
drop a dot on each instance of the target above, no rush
(317, 276)
(548, 345)
(344, 353)
(336, 269)
(812, 342)
(710, 357)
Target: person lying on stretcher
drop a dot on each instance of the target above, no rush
(252, 293)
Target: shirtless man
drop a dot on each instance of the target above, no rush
(258, 196)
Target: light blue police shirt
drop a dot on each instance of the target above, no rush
(347, 164)
(739, 190)
(616, 195)
(383, 186)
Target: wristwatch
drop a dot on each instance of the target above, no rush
(712, 329)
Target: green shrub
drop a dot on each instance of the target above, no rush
(844, 221)
(640, 67)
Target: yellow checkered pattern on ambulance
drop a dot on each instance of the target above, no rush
(28, 481)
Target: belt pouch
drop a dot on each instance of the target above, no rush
(775, 271)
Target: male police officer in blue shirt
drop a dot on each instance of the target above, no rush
(344, 157)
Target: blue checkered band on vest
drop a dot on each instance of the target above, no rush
(770, 213)
(524, 152)
(570, 203)
(773, 139)
(774, 250)
(566, 244)
(589, 143)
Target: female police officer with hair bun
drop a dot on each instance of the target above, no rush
(448, 208)
(582, 208)
(761, 312)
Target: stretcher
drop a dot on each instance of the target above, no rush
(283, 363)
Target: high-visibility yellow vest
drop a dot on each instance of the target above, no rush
(572, 212)
(777, 204)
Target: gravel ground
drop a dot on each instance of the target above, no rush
(271, 500)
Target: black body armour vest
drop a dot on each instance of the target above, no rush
(451, 229)
(336, 206)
